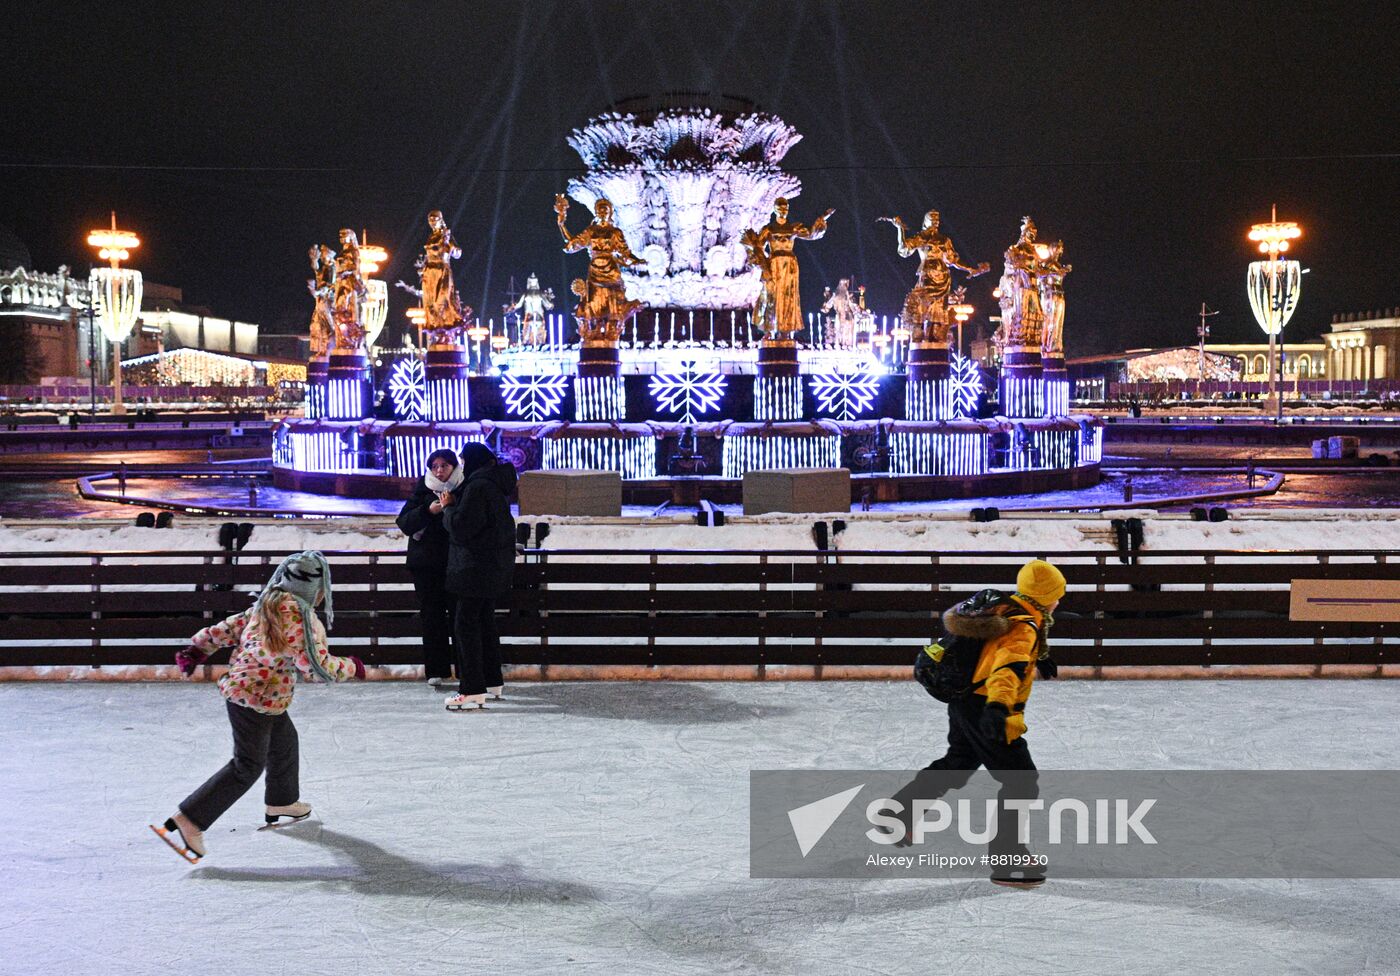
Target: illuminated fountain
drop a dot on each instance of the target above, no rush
(686, 360)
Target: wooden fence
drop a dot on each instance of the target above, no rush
(631, 607)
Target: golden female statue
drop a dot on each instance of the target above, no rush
(774, 240)
(440, 305)
(1021, 315)
(349, 294)
(762, 311)
(322, 286)
(603, 308)
(1050, 278)
(926, 307)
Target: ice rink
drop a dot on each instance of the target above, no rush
(603, 828)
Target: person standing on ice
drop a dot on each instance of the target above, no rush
(987, 725)
(276, 639)
(480, 569)
(421, 519)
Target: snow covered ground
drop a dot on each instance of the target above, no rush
(603, 828)
(1313, 528)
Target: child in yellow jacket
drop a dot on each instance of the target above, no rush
(986, 727)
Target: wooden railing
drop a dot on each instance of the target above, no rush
(723, 607)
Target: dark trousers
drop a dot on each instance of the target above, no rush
(478, 646)
(259, 742)
(438, 610)
(969, 749)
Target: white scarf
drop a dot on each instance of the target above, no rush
(453, 482)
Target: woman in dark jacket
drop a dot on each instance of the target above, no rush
(480, 569)
(421, 519)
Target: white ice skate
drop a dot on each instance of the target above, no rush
(183, 837)
(294, 812)
(465, 703)
(496, 692)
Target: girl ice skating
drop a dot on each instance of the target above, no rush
(272, 641)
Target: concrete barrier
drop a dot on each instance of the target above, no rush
(797, 490)
(571, 492)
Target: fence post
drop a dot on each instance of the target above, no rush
(374, 604)
(1208, 587)
(762, 670)
(1323, 559)
(1100, 559)
(95, 592)
(543, 561)
(651, 611)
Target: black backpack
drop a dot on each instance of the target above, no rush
(945, 667)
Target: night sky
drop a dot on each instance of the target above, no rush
(1147, 136)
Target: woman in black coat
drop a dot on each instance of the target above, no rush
(421, 519)
(480, 570)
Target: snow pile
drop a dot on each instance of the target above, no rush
(932, 532)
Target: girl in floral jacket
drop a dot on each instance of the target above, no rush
(271, 642)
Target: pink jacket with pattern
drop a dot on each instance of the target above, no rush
(262, 680)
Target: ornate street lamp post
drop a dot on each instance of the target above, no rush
(115, 295)
(376, 305)
(1274, 286)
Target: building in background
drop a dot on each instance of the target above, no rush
(1364, 345)
(45, 317)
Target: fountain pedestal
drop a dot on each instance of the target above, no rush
(1021, 386)
(350, 386)
(929, 393)
(445, 368)
(317, 378)
(598, 392)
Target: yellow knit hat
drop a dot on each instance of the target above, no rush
(1040, 581)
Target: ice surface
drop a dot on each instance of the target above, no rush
(602, 828)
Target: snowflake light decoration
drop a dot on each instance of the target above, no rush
(845, 395)
(534, 398)
(967, 386)
(408, 389)
(688, 392)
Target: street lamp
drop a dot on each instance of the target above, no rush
(961, 312)
(376, 306)
(1274, 286)
(115, 293)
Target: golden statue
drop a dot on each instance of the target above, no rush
(1022, 321)
(322, 287)
(774, 240)
(1050, 278)
(762, 312)
(532, 305)
(603, 308)
(926, 306)
(349, 294)
(442, 311)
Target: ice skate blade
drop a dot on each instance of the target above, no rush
(274, 823)
(1023, 883)
(190, 856)
(465, 708)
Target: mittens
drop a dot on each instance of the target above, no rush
(359, 668)
(1046, 668)
(190, 658)
(993, 723)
